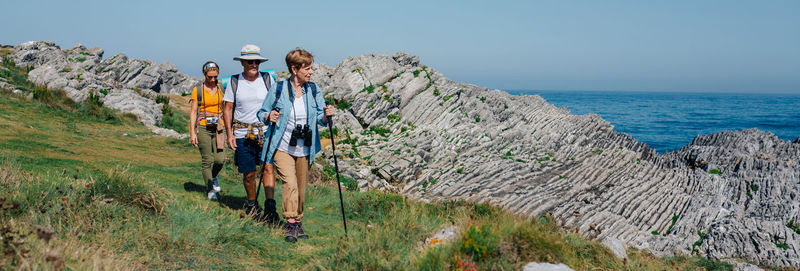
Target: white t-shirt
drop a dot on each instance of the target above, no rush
(249, 99)
(298, 116)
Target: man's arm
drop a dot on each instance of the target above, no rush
(227, 116)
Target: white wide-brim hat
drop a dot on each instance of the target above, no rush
(250, 52)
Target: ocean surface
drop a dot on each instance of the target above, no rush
(667, 121)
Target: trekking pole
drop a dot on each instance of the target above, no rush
(338, 183)
(264, 152)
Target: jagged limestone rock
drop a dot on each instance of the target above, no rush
(127, 100)
(435, 139)
(79, 70)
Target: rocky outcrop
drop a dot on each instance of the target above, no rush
(127, 100)
(413, 130)
(128, 85)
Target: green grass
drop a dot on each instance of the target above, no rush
(87, 193)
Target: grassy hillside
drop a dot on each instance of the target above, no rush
(86, 190)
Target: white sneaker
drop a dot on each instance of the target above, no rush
(212, 195)
(215, 185)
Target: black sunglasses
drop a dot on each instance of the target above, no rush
(212, 77)
(251, 61)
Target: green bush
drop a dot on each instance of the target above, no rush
(715, 171)
(436, 91)
(416, 73)
(482, 210)
(343, 105)
(174, 120)
(161, 99)
(380, 130)
(793, 226)
(674, 220)
(479, 242)
(326, 133)
(546, 158)
(349, 184)
(393, 117)
(368, 89)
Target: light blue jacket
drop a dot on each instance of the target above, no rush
(284, 105)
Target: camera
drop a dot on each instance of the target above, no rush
(212, 121)
(301, 132)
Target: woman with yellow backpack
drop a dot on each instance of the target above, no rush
(206, 128)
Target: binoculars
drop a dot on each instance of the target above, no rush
(302, 132)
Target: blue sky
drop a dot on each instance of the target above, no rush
(708, 46)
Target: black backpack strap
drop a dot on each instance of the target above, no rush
(266, 77)
(278, 92)
(199, 90)
(313, 92)
(234, 82)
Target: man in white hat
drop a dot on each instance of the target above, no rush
(244, 96)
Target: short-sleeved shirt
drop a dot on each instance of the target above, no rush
(210, 103)
(249, 99)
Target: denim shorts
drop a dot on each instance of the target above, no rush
(247, 155)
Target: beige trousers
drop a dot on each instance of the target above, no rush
(294, 173)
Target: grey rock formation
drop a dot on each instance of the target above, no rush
(79, 70)
(435, 139)
(127, 100)
(615, 246)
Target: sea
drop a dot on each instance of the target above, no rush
(667, 121)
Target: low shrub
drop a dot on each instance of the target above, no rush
(479, 242)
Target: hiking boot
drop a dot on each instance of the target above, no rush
(212, 195)
(215, 185)
(291, 232)
(270, 213)
(301, 234)
(252, 209)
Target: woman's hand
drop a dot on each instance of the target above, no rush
(329, 111)
(193, 139)
(273, 116)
